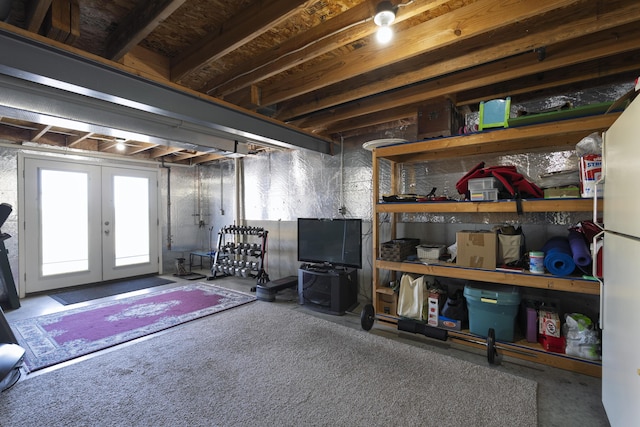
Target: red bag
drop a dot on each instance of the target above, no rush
(514, 183)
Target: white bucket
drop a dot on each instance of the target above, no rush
(536, 262)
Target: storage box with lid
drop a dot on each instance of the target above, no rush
(482, 195)
(492, 306)
(483, 183)
(484, 188)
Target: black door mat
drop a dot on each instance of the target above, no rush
(190, 276)
(107, 289)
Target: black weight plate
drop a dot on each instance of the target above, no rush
(491, 346)
(367, 317)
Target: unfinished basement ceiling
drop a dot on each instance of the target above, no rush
(316, 65)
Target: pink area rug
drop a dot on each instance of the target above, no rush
(58, 337)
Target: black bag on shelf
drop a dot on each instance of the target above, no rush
(456, 307)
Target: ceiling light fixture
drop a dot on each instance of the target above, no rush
(385, 15)
(120, 145)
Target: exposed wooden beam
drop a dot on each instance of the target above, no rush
(161, 151)
(147, 63)
(462, 24)
(484, 75)
(254, 20)
(186, 155)
(398, 113)
(348, 27)
(618, 69)
(80, 138)
(43, 130)
(340, 94)
(107, 145)
(36, 12)
(138, 25)
(142, 148)
(63, 23)
(206, 158)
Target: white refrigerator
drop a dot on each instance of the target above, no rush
(620, 297)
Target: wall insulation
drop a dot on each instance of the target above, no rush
(276, 187)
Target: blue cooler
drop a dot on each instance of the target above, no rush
(492, 306)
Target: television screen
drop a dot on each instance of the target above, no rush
(330, 241)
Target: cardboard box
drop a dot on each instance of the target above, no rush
(477, 249)
(590, 171)
(438, 119)
(388, 304)
(548, 323)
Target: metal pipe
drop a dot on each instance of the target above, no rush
(168, 204)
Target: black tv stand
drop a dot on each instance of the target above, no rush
(328, 288)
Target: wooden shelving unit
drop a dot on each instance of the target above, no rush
(548, 136)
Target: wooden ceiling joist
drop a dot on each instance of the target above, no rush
(582, 27)
(512, 68)
(348, 27)
(461, 24)
(255, 20)
(139, 24)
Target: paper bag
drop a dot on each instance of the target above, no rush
(412, 296)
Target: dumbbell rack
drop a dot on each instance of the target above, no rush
(240, 252)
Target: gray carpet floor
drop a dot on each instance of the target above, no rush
(262, 364)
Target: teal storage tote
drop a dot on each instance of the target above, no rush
(492, 306)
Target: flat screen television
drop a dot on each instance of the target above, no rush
(337, 242)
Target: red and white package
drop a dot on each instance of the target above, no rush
(590, 171)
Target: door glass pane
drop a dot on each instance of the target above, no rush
(64, 222)
(131, 225)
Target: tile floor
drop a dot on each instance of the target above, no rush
(564, 398)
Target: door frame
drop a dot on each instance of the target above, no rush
(80, 158)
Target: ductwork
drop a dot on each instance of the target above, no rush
(47, 81)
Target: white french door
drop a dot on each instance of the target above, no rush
(87, 223)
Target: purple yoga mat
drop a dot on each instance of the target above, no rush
(579, 249)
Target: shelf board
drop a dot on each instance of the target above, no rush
(559, 134)
(533, 205)
(526, 279)
(520, 349)
(533, 352)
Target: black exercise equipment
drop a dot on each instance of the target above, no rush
(6, 278)
(417, 327)
(268, 291)
(11, 354)
(368, 317)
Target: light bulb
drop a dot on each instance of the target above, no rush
(385, 17)
(384, 34)
(120, 146)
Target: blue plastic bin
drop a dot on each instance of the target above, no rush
(492, 306)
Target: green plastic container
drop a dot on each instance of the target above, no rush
(492, 306)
